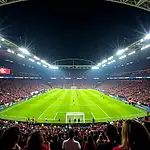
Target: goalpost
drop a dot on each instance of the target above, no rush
(70, 116)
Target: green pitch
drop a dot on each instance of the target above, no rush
(57, 103)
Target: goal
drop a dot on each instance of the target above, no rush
(74, 117)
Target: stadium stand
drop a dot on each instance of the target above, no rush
(136, 90)
(14, 89)
(105, 136)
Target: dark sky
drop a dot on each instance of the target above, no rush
(91, 31)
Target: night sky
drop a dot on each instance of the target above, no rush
(57, 31)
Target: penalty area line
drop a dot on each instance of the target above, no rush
(44, 111)
(55, 115)
(103, 111)
(93, 115)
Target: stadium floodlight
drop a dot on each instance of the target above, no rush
(45, 66)
(132, 53)
(37, 58)
(99, 64)
(20, 55)
(103, 65)
(110, 58)
(126, 49)
(10, 51)
(0, 46)
(43, 61)
(142, 40)
(23, 50)
(53, 67)
(2, 39)
(147, 37)
(120, 52)
(104, 61)
(144, 47)
(95, 67)
(122, 57)
(31, 60)
(38, 63)
(111, 62)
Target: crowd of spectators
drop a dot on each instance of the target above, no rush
(137, 90)
(119, 135)
(14, 89)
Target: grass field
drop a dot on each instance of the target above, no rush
(55, 103)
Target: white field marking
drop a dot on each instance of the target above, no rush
(70, 105)
(48, 107)
(18, 104)
(93, 115)
(103, 111)
(44, 111)
(55, 115)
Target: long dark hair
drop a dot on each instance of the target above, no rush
(134, 136)
(35, 141)
(90, 143)
(9, 138)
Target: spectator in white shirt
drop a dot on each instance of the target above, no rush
(71, 144)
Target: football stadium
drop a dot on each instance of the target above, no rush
(65, 88)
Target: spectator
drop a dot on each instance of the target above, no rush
(36, 142)
(111, 134)
(147, 126)
(71, 144)
(134, 137)
(89, 145)
(9, 139)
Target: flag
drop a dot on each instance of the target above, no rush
(4, 71)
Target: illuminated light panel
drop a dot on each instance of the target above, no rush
(43, 61)
(120, 52)
(23, 50)
(31, 60)
(38, 63)
(104, 61)
(110, 58)
(122, 57)
(99, 64)
(45, 66)
(132, 53)
(95, 67)
(147, 37)
(104, 65)
(21, 55)
(111, 62)
(53, 67)
(37, 58)
(2, 39)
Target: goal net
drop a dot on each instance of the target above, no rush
(75, 117)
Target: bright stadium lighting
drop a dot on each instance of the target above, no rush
(110, 58)
(122, 57)
(147, 37)
(0, 46)
(95, 67)
(23, 50)
(132, 53)
(43, 61)
(142, 40)
(53, 67)
(103, 65)
(38, 63)
(31, 60)
(2, 39)
(21, 55)
(45, 66)
(99, 64)
(145, 47)
(120, 52)
(10, 51)
(104, 61)
(111, 62)
(126, 49)
(37, 58)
